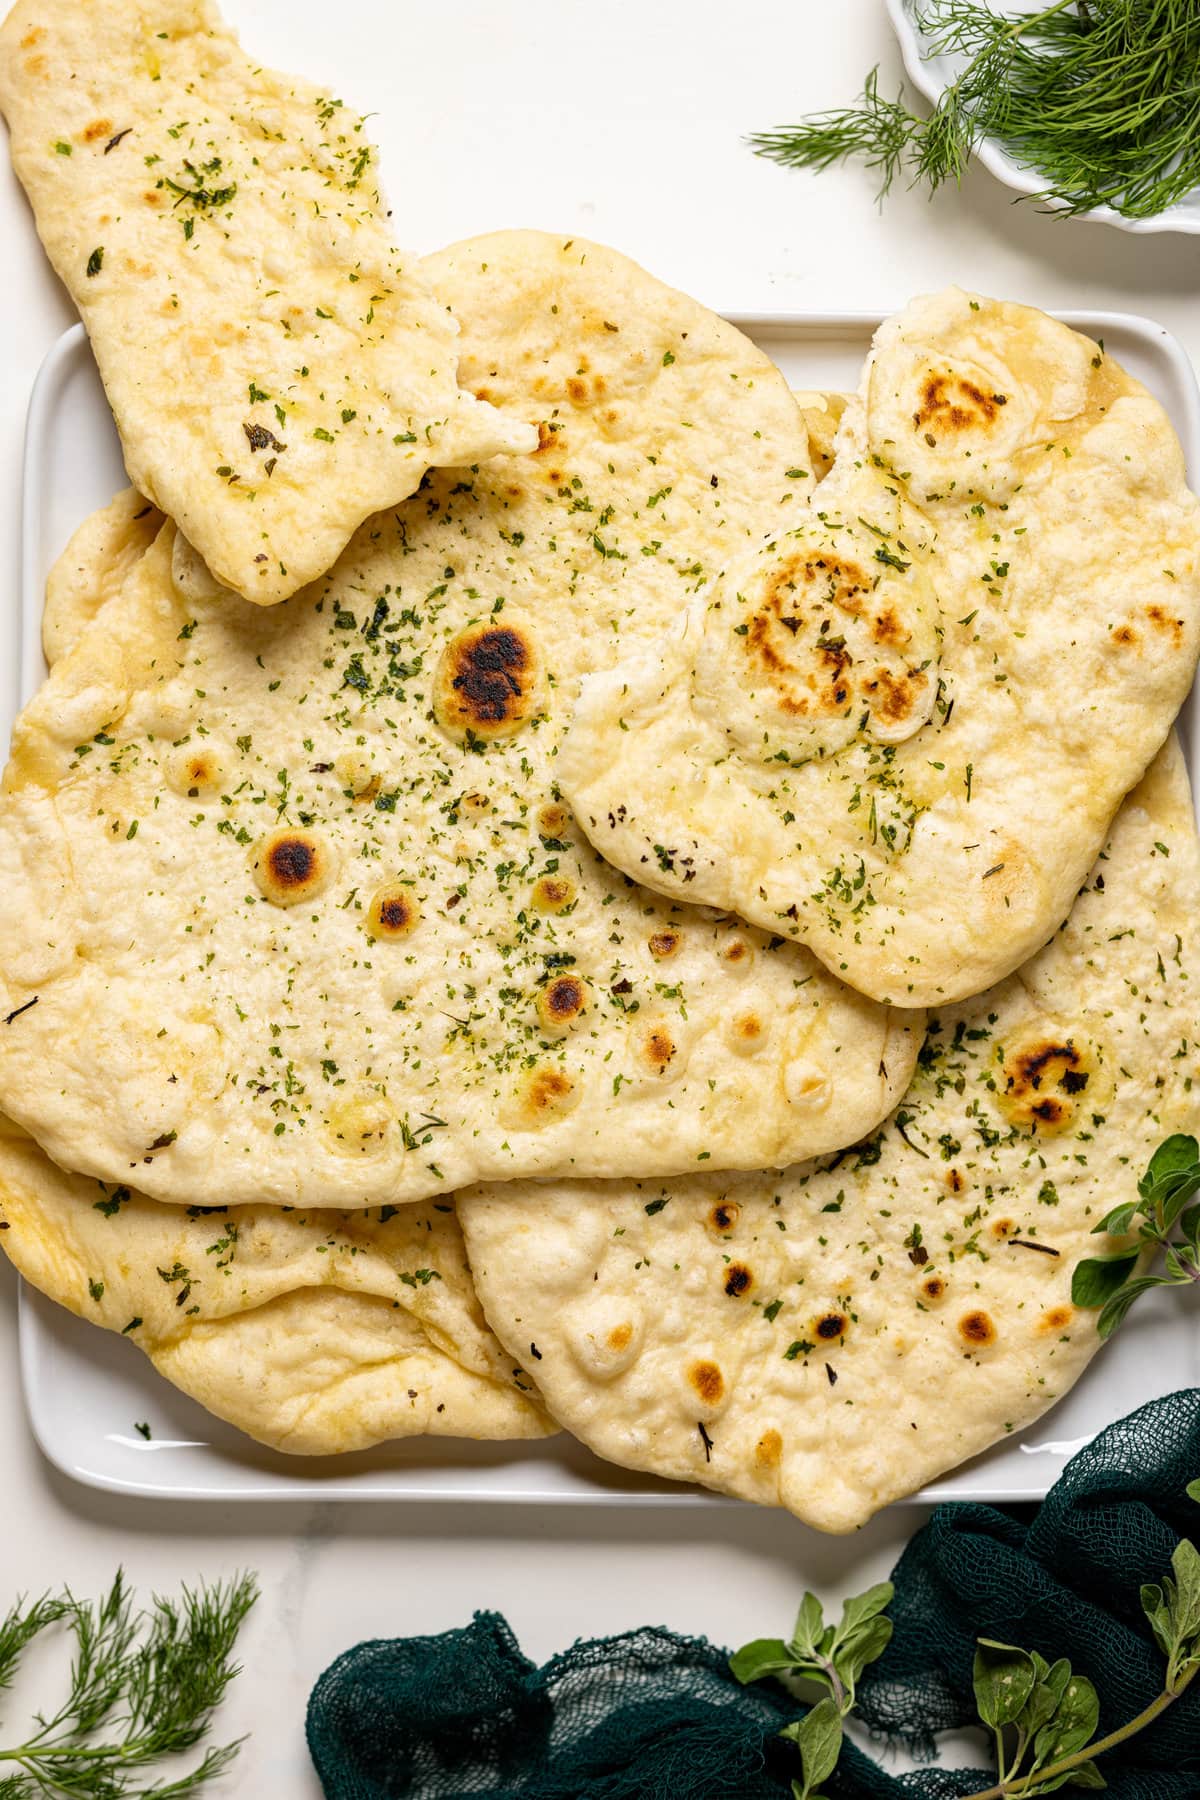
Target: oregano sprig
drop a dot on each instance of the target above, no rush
(1160, 1219)
(1039, 1714)
(1173, 1609)
(1042, 1716)
(833, 1656)
(143, 1685)
(1098, 98)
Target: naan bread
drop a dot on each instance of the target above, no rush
(303, 916)
(900, 733)
(822, 414)
(315, 1332)
(105, 547)
(277, 369)
(830, 1338)
(94, 566)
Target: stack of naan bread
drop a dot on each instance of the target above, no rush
(553, 882)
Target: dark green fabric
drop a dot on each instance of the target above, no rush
(646, 1716)
(653, 1716)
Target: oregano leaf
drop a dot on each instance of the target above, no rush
(1185, 1611)
(1173, 1193)
(1048, 1690)
(1178, 1263)
(1189, 1224)
(866, 1645)
(1118, 1221)
(1004, 1676)
(818, 1736)
(1174, 1163)
(1156, 1609)
(1084, 1775)
(1073, 1725)
(810, 1624)
(861, 1607)
(765, 1656)
(1097, 1278)
(1114, 1312)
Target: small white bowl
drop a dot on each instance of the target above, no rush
(932, 74)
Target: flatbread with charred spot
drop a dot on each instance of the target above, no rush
(304, 915)
(315, 1334)
(830, 1338)
(899, 733)
(276, 367)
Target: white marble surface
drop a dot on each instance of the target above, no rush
(621, 120)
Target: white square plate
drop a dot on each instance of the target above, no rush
(86, 1390)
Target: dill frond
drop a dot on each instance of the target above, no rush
(142, 1686)
(880, 131)
(1100, 99)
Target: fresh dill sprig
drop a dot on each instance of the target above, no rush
(143, 1685)
(1098, 98)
